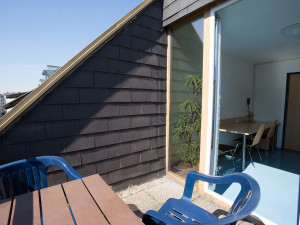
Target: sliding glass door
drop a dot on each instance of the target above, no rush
(217, 98)
(186, 94)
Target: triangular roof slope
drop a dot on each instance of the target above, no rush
(65, 70)
(108, 114)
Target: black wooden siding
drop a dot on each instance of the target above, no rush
(108, 116)
(174, 10)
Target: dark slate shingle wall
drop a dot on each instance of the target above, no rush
(108, 116)
(176, 9)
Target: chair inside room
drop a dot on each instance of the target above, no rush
(183, 211)
(267, 141)
(250, 144)
(225, 150)
(27, 175)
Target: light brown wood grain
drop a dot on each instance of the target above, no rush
(55, 206)
(115, 210)
(243, 127)
(26, 209)
(84, 208)
(169, 96)
(205, 97)
(5, 206)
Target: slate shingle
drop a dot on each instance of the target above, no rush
(63, 96)
(94, 155)
(62, 128)
(80, 79)
(45, 112)
(108, 113)
(107, 139)
(25, 132)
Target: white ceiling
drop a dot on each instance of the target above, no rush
(251, 30)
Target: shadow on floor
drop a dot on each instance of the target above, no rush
(280, 159)
(218, 213)
(136, 210)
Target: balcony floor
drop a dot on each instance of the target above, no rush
(278, 176)
(153, 194)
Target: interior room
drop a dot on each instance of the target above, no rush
(260, 66)
(256, 58)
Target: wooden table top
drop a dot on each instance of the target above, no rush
(86, 201)
(243, 127)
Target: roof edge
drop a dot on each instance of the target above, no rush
(62, 72)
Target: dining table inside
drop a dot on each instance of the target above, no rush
(243, 127)
(83, 201)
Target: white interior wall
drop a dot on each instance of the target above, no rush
(270, 90)
(236, 87)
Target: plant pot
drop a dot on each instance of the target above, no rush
(181, 166)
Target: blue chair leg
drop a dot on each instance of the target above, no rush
(149, 220)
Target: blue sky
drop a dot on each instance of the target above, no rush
(37, 33)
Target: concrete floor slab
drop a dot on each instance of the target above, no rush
(152, 195)
(141, 201)
(167, 189)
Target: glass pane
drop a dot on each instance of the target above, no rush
(186, 91)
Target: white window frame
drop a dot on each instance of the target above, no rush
(211, 109)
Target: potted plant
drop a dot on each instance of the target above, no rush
(188, 126)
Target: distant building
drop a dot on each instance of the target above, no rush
(48, 72)
(9, 99)
(2, 103)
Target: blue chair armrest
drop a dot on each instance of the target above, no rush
(60, 162)
(242, 207)
(241, 210)
(192, 177)
(241, 178)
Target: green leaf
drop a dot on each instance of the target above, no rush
(188, 126)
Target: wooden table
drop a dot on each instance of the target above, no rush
(86, 201)
(245, 128)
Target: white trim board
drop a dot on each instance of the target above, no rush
(211, 105)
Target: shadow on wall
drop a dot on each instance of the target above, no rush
(112, 107)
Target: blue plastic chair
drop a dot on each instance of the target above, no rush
(184, 212)
(27, 175)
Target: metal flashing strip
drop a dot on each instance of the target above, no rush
(62, 72)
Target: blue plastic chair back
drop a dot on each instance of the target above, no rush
(27, 175)
(246, 201)
(183, 211)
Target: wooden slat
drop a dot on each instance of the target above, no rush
(205, 113)
(169, 96)
(55, 206)
(26, 209)
(82, 204)
(4, 211)
(115, 210)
